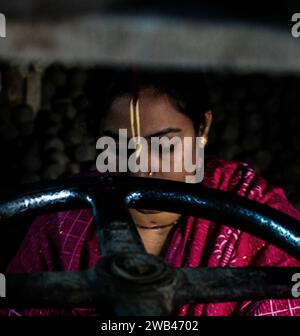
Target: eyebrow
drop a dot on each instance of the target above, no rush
(160, 133)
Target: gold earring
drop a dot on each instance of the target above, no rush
(203, 141)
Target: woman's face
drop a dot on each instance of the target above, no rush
(158, 118)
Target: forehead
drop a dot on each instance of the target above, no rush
(156, 112)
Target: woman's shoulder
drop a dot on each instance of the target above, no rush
(228, 175)
(241, 179)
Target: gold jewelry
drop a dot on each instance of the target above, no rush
(203, 141)
(132, 118)
(135, 115)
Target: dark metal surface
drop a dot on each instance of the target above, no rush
(100, 288)
(127, 279)
(113, 193)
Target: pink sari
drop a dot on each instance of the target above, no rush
(67, 241)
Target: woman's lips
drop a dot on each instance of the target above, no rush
(154, 227)
(148, 212)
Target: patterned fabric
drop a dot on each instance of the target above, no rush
(67, 241)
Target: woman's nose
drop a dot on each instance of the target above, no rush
(143, 174)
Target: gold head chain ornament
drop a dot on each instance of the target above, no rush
(135, 125)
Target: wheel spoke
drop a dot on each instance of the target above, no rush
(52, 289)
(115, 230)
(202, 285)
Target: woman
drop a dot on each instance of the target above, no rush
(166, 107)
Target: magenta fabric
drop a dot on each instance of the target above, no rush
(67, 241)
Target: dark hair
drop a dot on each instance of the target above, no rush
(186, 91)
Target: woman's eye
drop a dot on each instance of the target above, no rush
(128, 152)
(166, 149)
